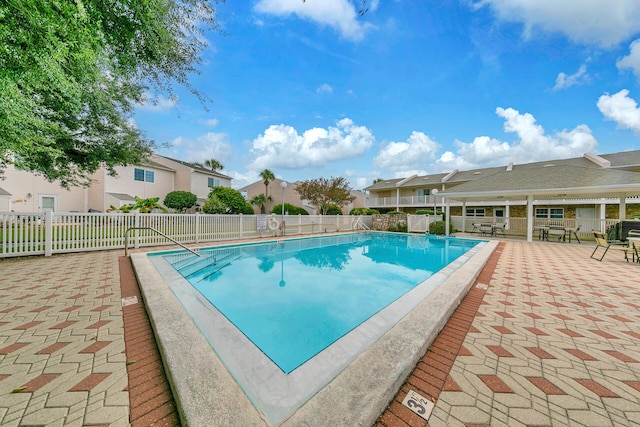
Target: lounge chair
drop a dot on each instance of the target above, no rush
(601, 242)
(500, 229)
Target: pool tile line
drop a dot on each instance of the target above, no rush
(150, 397)
(431, 375)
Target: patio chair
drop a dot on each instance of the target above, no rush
(556, 231)
(601, 242)
(486, 229)
(501, 229)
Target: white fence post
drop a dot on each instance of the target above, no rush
(197, 231)
(48, 233)
(136, 223)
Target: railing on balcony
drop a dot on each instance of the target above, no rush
(405, 201)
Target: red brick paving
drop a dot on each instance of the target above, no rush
(431, 375)
(150, 396)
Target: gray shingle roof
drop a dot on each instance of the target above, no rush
(123, 196)
(558, 178)
(198, 168)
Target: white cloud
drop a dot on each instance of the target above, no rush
(597, 22)
(564, 81)
(158, 103)
(239, 180)
(621, 109)
(210, 122)
(282, 147)
(208, 146)
(532, 145)
(340, 15)
(632, 60)
(324, 88)
(413, 153)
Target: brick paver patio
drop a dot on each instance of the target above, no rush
(555, 341)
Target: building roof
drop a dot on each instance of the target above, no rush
(623, 161)
(150, 163)
(123, 196)
(554, 180)
(3, 192)
(197, 167)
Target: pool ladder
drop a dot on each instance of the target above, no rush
(126, 239)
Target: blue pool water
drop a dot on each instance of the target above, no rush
(294, 298)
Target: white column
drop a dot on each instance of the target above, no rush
(464, 216)
(623, 207)
(447, 220)
(529, 218)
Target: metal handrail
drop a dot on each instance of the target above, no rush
(361, 225)
(126, 239)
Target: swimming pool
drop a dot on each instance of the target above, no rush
(279, 391)
(295, 298)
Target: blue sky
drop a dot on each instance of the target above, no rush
(313, 89)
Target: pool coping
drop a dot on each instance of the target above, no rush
(205, 391)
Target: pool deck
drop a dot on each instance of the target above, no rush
(546, 336)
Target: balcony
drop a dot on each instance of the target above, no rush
(403, 202)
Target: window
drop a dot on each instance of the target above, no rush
(143, 175)
(475, 212)
(424, 192)
(213, 182)
(547, 213)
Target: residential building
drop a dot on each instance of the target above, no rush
(147, 180)
(22, 191)
(193, 178)
(591, 187)
(292, 197)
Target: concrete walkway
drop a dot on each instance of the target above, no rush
(555, 341)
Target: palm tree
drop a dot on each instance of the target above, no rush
(261, 200)
(213, 164)
(267, 176)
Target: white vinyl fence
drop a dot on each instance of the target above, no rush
(420, 223)
(49, 233)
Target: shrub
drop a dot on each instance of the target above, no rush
(288, 208)
(180, 200)
(393, 228)
(424, 212)
(333, 210)
(438, 227)
(214, 206)
(232, 200)
(359, 211)
(395, 213)
(247, 209)
(402, 228)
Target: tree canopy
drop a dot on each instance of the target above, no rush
(231, 199)
(261, 200)
(180, 200)
(322, 192)
(71, 73)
